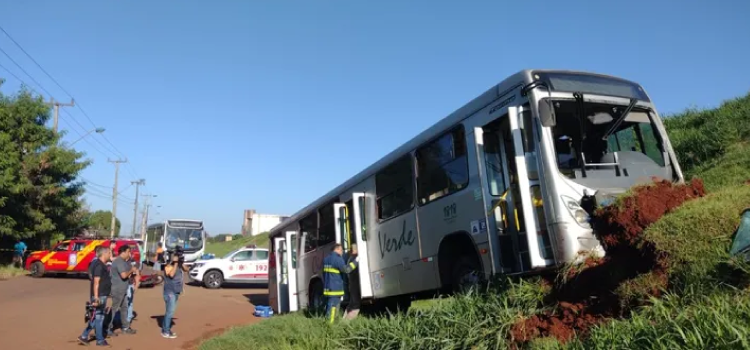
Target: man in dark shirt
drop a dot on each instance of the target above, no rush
(99, 291)
(121, 271)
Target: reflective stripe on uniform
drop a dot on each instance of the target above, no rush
(333, 292)
(333, 314)
(331, 269)
(352, 265)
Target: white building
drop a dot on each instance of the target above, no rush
(254, 223)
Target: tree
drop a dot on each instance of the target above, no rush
(101, 222)
(39, 190)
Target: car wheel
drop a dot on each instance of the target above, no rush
(213, 279)
(37, 269)
(158, 279)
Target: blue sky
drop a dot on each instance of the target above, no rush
(229, 105)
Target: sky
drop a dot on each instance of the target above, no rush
(229, 105)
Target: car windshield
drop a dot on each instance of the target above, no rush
(229, 255)
(187, 238)
(634, 144)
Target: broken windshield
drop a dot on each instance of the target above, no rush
(633, 148)
(187, 238)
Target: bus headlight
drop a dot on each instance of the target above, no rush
(579, 215)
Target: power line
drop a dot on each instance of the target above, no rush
(88, 182)
(19, 79)
(24, 71)
(35, 62)
(117, 152)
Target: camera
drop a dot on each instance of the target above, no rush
(178, 252)
(90, 311)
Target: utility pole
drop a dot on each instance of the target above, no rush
(56, 105)
(114, 196)
(135, 210)
(144, 222)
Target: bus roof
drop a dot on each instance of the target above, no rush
(511, 83)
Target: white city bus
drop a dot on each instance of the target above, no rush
(504, 185)
(188, 234)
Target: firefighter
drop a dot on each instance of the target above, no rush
(333, 282)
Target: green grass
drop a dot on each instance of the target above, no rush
(452, 323)
(707, 305)
(7, 272)
(222, 248)
(715, 321)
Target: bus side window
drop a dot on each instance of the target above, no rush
(309, 224)
(394, 188)
(442, 166)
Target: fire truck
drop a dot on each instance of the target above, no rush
(73, 256)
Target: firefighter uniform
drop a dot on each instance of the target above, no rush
(333, 282)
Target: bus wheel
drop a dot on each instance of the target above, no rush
(37, 269)
(213, 279)
(465, 274)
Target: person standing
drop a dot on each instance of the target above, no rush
(19, 250)
(99, 291)
(133, 284)
(333, 283)
(355, 294)
(121, 271)
(110, 312)
(173, 280)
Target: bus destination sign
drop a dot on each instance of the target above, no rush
(185, 224)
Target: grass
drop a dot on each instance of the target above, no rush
(706, 306)
(222, 248)
(8, 272)
(467, 321)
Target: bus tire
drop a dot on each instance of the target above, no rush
(213, 279)
(457, 258)
(465, 274)
(37, 269)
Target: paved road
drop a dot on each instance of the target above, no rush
(47, 313)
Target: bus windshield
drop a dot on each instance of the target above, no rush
(633, 148)
(187, 238)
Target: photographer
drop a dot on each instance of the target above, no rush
(173, 279)
(100, 289)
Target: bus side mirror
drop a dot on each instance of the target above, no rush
(546, 113)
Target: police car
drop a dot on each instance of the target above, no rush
(248, 264)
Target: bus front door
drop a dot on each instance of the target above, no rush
(507, 195)
(291, 268)
(282, 275)
(351, 228)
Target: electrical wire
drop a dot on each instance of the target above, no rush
(116, 152)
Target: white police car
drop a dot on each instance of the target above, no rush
(248, 264)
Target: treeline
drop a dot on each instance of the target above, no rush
(40, 188)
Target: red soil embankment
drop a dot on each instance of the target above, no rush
(588, 294)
